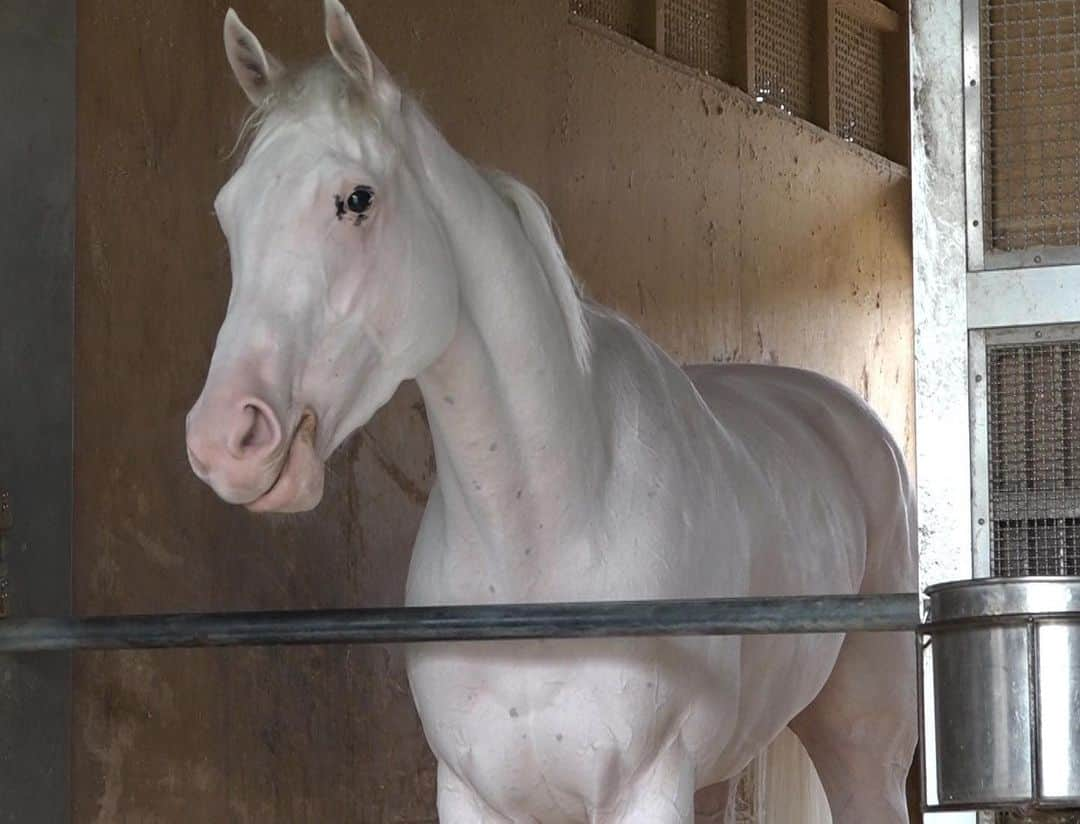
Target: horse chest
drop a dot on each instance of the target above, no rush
(528, 722)
(636, 546)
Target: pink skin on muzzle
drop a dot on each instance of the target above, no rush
(241, 450)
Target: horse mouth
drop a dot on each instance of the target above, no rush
(298, 486)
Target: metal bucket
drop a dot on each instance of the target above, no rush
(1006, 692)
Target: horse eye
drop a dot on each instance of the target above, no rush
(360, 200)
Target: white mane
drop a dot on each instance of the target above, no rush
(540, 230)
(320, 86)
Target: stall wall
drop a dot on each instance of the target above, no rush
(728, 231)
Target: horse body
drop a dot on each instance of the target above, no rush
(575, 461)
(732, 480)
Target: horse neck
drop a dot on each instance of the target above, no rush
(509, 403)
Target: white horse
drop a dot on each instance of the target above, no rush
(576, 461)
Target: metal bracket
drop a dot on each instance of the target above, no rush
(6, 522)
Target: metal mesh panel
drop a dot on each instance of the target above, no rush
(620, 15)
(783, 56)
(859, 102)
(1063, 817)
(697, 33)
(1030, 123)
(1033, 422)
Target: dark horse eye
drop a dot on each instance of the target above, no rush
(360, 200)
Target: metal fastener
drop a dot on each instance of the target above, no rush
(6, 522)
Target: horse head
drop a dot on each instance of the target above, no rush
(343, 282)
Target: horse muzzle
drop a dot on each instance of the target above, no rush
(242, 452)
(299, 484)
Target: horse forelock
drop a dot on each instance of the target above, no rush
(311, 89)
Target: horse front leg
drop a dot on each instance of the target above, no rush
(458, 803)
(663, 795)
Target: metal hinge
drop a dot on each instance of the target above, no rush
(6, 522)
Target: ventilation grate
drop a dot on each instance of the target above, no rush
(858, 105)
(697, 33)
(1033, 422)
(1030, 123)
(783, 57)
(620, 15)
(1064, 817)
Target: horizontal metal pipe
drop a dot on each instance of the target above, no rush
(724, 616)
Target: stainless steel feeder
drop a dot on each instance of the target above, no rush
(1006, 693)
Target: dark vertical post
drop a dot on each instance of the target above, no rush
(37, 155)
(652, 34)
(824, 80)
(897, 123)
(742, 43)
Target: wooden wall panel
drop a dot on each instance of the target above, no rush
(285, 735)
(729, 232)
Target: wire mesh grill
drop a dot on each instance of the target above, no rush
(783, 57)
(1033, 421)
(1063, 817)
(697, 33)
(1030, 123)
(620, 15)
(859, 101)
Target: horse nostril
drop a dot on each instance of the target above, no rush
(257, 431)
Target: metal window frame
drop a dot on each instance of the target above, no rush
(979, 340)
(1011, 266)
(973, 133)
(1023, 296)
(980, 454)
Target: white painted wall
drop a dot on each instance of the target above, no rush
(940, 299)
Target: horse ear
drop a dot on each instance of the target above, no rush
(347, 46)
(255, 69)
(354, 56)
